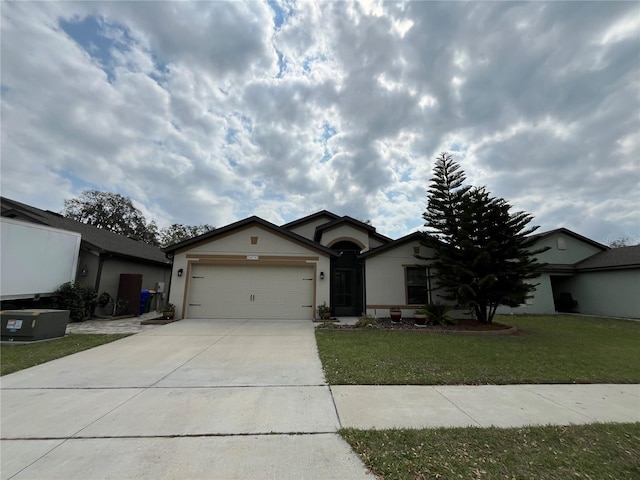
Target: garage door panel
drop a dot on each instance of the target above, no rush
(246, 291)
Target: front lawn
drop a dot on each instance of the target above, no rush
(547, 349)
(18, 357)
(599, 451)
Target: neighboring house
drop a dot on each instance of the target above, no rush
(255, 269)
(584, 276)
(104, 256)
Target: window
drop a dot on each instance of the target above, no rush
(417, 285)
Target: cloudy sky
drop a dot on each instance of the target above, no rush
(209, 112)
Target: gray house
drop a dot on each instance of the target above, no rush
(106, 259)
(255, 269)
(584, 276)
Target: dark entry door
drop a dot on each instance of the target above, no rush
(344, 294)
(346, 280)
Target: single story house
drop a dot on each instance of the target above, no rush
(255, 269)
(107, 262)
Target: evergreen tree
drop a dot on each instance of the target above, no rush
(483, 253)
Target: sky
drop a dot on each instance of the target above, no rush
(210, 112)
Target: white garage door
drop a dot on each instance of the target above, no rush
(248, 291)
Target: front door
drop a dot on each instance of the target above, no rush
(344, 297)
(346, 281)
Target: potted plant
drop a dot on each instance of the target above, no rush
(396, 314)
(420, 318)
(324, 312)
(168, 311)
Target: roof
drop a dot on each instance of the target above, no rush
(352, 222)
(415, 236)
(102, 240)
(310, 218)
(244, 223)
(570, 234)
(612, 259)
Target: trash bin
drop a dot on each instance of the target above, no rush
(144, 297)
(35, 324)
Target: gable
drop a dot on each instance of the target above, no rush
(253, 239)
(308, 228)
(566, 247)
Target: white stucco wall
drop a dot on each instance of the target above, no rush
(345, 232)
(385, 278)
(237, 246)
(575, 250)
(609, 293)
(308, 230)
(541, 303)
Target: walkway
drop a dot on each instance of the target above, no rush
(241, 399)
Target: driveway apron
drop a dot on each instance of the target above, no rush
(197, 399)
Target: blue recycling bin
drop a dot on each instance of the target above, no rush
(144, 297)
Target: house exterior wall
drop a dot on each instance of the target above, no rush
(308, 230)
(609, 293)
(541, 303)
(236, 247)
(575, 250)
(113, 267)
(90, 263)
(375, 243)
(345, 232)
(385, 279)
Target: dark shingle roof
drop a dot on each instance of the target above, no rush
(244, 223)
(571, 234)
(613, 259)
(102, 240)
(393, 244)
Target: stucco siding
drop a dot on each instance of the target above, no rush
(385, 279)
(237, 248)
(541, 303)
(308, 230)
(574, 251)
(89, 263)
(112, 268)
(612, 293)
(344, 232)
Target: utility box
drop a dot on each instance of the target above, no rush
(30, 325)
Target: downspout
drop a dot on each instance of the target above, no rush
(102, 257)
(170, 257)
(364, 287)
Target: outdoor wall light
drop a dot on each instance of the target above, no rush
(180, 272)
(321, 275)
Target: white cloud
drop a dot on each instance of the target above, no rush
(212, 111)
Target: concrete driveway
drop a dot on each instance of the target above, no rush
(196, 399)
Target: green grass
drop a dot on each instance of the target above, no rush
(19, 357)
(599, 451)
(547, 349)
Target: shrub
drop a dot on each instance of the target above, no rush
(367, 321)
(437, 314)
(79, 299)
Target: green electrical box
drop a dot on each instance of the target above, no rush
(30, 325)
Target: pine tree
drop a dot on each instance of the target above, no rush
(483, 253)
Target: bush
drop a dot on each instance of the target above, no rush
(367, 321)
(437, 314)
(79, 299)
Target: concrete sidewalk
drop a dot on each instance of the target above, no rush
(243, 399)
(192, 399)
(382, 407)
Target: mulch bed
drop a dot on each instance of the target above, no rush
(463, 325)
(157, 321)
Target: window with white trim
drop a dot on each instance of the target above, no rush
(417, 285)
